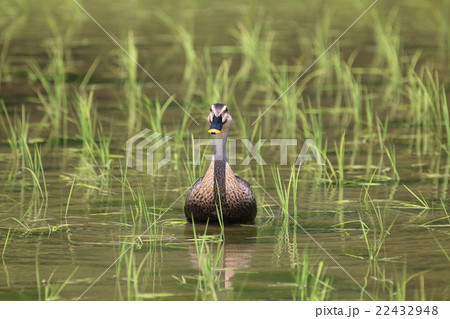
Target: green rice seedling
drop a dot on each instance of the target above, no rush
(444, 251)
(132, 272)
(420, 293)
(338, 91)
(369, 128)
(445, 116)
(54, 98)
(66, 28)
(12, 130)
(153, 113)
(437, 222)
(289, 100)
(103, 151)
(87, 119)
(38, 278)
(340, 155)
(180, 132)
(24, 225)
(294, 176)
(288, 96)
(445, 210)
(139, 209)
(95, 161)
(390, 153)
(425, 116)
(217, 83)
(52, 291)
(442, 16)
(17, 130)
(66, 212)
(142, 217)
(210, 252)
(285, 240)
(330, 172)
(6, 243)
(314, 129)
(87, 175)
(429, 116)
(285, 192)
(256, 130)
(185, 38)
(132, 87)
(268, 209)
(287, 196)
(124, 184)
(194, 171)
(446, 172)
(255, 136)
(353, 96)
(376, 276)
(379, 230)
(39, 193)
(311, 283)
(150, 216)
(318, 44)
(5, 75)
(243, 124)
(248, 37)
(5, 269)
(254, 45)
(348, 108)
(88, 75)
(15, 8)
(181, 146)
(103, 158)
(253, 133)
(398, 290)
(387, 37)
(420, 100)
(366, 188)
(421, 199)
(140, 213)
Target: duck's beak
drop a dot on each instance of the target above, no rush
(216, 125)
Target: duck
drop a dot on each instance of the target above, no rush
(220, 196)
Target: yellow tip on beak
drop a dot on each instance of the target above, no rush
(214, 131)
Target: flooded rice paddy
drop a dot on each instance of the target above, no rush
(371, 223)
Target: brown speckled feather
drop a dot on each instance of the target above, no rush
(220, 187)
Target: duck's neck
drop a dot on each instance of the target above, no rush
(219, 165)
(220, 147)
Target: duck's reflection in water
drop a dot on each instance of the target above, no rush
(226, 256)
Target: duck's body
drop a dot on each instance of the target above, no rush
(220, 191)
(237, 202)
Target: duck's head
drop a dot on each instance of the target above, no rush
(220, 119)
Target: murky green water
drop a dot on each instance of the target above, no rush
(43, 242)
